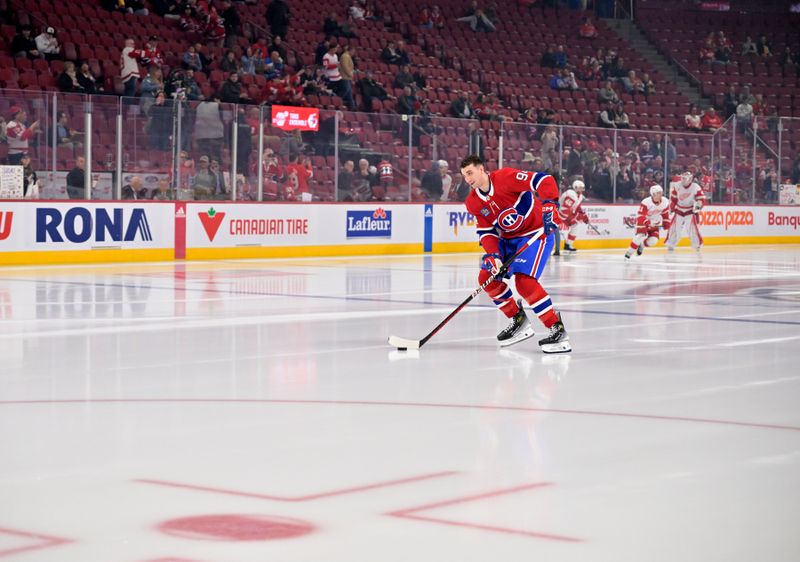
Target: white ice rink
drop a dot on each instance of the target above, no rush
(251, 411)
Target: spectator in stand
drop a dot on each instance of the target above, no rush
(129, 68)
(134, 190)
(347, 66)
(437, 17)
(68, 80)
(188, 22)
(749, 47)
(693, 119)
(214, 28)
(663, 149)
(616, 69)
(407, 104)
(232, 22)
(65, 135)
(632, 83)
(548, 59)
(47, 45)
(707, 52)
(159, 123)
(87, 80)
(23, 45)
(402, 53)
(322, 49)
(330, 63)
(151, 86)
(404, 78)
(648, 86)
(606, 94)
(621, 119)
(607, 117)
(18, 134)
(298, 189)
(331, 26)
(744, 113)
(549, 153)
(788, 58)
(229, 63)
(278, 17)
(231, 91)
(560, 58)
(76, 179)
(191, 59)
(279, 46)
(722, 54)
(425, 19)
(208, 128)
(356, 11)
(274, 66)
(730, 101)
(747, 96)
(563, 80)
(151, 55)
(627, 180)
(431, 184)
(588, 29)
(163, 192)
(461, 107)
(344, 182)
(169, 9)
(796, 169)
(205, 181)
(371, 89)
(759, 106)
(247, 62)
(389, 54)
(477, 19)
(125, 6)
(763, 47)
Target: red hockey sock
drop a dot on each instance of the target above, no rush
(537, 297)
(500, 293)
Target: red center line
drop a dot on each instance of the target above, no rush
(310, 497)
(656, 417)
(413, 513)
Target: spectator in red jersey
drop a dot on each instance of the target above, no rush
(707, 52)
(588, 30)
(711, 120)
(151, 55)
(693, 119)
(759, 106)
(214, 28)
(18, 134)
(297, 187)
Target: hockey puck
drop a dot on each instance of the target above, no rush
(402, 349)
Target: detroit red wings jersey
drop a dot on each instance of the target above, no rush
(385, 171)
(513, 206)
(682, 199)
(652, 216)
(569, 209)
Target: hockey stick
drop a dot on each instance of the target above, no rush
(403, 344)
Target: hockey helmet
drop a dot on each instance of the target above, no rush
(578, 186)
(656, 189)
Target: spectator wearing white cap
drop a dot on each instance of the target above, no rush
(47, 45)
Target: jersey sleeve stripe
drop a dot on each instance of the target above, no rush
(536, 180)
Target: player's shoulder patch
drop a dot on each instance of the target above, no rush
(485, 212)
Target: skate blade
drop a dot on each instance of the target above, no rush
(558, 347)
(522, 336)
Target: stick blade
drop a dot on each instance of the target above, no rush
(402, 343)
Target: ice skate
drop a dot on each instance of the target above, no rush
(569, 247)
(557, 341)
(628, 255)
(518, 330)
(640, 250)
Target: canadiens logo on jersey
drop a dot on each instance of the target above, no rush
(510, 220)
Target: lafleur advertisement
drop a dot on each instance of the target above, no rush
(369, 224)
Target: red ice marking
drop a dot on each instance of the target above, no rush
(172, 560)
(41, 541)
(233, 527)
(412, 513)
(310, 497)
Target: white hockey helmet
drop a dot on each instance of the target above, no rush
(687, 178)
(578, 186)
(656, 189)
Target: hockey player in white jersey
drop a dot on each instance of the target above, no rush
(686, 198)
(653, 215)
(571, 214)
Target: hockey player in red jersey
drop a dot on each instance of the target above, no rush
(510, 206)
(653, 215)
(571, 214)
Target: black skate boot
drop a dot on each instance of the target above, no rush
(557, 341)
(640, 249)
(569, 247)
(519, 329)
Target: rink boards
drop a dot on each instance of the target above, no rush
(38, 232)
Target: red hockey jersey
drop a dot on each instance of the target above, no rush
(513, 206)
